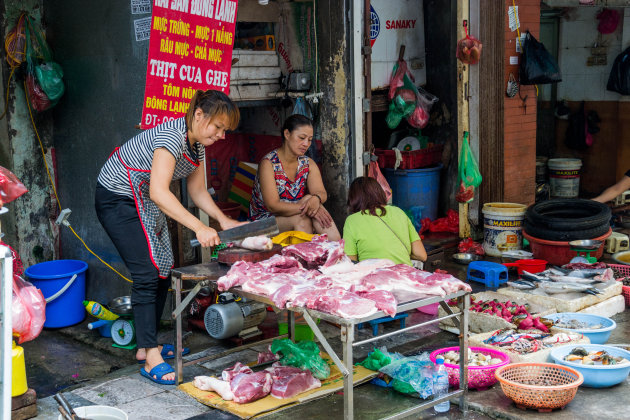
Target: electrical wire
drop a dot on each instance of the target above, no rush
(315, 37)
(518, 32)
(52, 184)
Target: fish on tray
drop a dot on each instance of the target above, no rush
(555, 288)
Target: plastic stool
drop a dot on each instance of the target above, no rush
(489, 273)
(374, 323)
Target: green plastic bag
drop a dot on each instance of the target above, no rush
(303, 355)
(469, 173)
(376, 360)
(40, 62)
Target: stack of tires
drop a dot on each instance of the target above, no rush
(567, 219)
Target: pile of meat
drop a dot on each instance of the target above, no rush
(318, 275)
(241, 385)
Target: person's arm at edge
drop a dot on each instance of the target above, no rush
(613, 191)
(417, 251)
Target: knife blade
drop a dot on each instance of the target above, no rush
(263, 227)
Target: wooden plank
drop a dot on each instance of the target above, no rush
(28, 398)
(24, 413)
(462, 110)
(247, 58)
(249, 73)
(254, 92)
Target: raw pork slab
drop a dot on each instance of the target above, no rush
(248, 387)
(290, 381)
(318, 252)
(229, 373)
(339, 301)
(384, 300)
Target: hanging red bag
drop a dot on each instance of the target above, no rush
(28, 310)
(10, 187)
(375, 172)
(468, 49)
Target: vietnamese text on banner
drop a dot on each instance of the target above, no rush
(190, 49)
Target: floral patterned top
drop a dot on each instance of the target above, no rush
(288, 191)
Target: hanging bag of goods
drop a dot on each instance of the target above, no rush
(44, 77)
(469, 175)
(537, 66)
(468, 49)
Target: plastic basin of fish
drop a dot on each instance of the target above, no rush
(598, 336)
(479, 377)
(595, 376)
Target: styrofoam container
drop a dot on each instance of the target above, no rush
(595, 376)
(599, 336)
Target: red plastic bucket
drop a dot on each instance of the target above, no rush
(529, 265)
(559, 252)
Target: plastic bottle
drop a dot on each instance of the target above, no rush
(97, 310)
(440, 386)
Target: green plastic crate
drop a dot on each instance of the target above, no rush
(302, 331)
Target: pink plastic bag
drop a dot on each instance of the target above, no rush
(28, 310)
(10, 187)
(375, 172)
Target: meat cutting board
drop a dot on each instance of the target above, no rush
(231, 255)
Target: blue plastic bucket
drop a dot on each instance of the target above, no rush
(416, 187)
(52, 278)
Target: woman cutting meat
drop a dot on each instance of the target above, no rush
(133, 199)
(376, 230)
(289, 185)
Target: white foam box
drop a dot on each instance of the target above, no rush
(480, 322)
(540, 356)
(565, 302)
(607, 308)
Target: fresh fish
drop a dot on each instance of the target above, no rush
(576, 280)
(606, 276)
(586, 273)
(520, 284)
(558, 271)
(533, 277)
(554, 288)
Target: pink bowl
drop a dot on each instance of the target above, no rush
(479, 377)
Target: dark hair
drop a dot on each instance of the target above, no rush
(213, 103)
(366, 195)
(293, 122)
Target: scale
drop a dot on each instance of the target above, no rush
(123, 330)
(583, 249)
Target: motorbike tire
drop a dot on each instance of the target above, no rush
(564, 235)
(568, 214)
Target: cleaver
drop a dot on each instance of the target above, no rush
(263, 227)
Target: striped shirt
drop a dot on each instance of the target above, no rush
(137, 153)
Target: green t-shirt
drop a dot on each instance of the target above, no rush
(368, 237)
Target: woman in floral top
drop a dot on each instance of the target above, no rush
(289, 184)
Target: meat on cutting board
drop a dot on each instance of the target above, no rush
(208, 383)
(248, 387)
(229, 373)
(256, 243)
(290, 381)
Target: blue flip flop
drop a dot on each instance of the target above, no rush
(159, 371)
(166, 348)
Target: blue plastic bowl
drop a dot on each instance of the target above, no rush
(595, 376)
(599, 336)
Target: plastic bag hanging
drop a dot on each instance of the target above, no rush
(469, 175)
(537, 66)
(469, 48)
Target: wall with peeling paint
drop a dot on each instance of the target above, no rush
(104, 69)
(28, 226)
(336, 105)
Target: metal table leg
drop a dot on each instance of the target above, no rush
(347, 337)
(463, 303)
(291, 325)
(176, 283)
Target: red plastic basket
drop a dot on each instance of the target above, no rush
(625, 270)
(410, 160)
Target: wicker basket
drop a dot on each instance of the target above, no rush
(542, 398)
(479, 377)
(625, 270)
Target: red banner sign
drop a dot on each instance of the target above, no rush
(190, 49)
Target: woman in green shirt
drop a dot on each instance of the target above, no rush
(376, 230)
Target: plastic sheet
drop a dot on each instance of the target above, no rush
(411, 375)
(303, 355)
